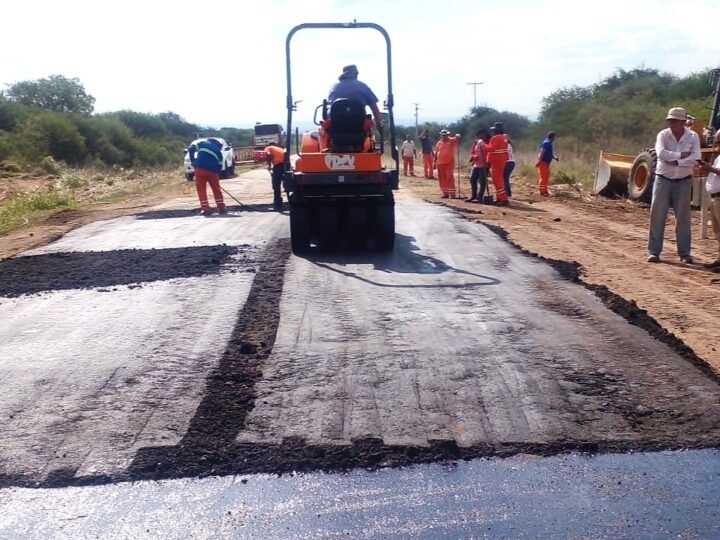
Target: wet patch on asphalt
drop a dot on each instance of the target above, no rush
(100, 270)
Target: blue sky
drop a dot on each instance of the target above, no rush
(223, 64)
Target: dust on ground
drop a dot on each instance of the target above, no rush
(608, 239)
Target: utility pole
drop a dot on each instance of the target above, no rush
(475, 85)
(417, 108)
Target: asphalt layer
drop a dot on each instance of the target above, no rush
(106, 269)
(627, 309)
(643, 495)
(455, 346)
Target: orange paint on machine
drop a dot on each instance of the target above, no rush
(323, 162)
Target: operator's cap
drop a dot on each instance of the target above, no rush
(349, 71)
(677, 113)
(444, 132)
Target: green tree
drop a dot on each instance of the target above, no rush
(56, 93)
(178, 126)
(11, 114)
(55, 134)
(142, 124)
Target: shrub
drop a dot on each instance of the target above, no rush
(73, 181)
(49, 165)
(10, 167)
(141, 124)
(59, 136)
(7, 146)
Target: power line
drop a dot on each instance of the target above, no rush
(417, 108)
(475, 85)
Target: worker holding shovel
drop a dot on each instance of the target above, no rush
(206, 159)
(445, 163)
(276, 165)
(497, 156)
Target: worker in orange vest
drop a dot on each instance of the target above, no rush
(276, 165)
(445, 163)
(497, 156)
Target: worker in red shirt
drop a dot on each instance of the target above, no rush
(276, 165)
(445, 163)
(497, 156)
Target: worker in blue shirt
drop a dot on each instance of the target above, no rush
(206, 158)
(349, 87)
(545, 157)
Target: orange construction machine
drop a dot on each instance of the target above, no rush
(340, 192)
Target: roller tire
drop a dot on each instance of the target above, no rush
(328, 227)
(385, 227)
(357, 226)
(299, 229)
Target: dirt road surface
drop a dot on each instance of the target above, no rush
(164, 344)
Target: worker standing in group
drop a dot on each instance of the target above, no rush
(445, 163)
(206, 159)
(428, 154)
(546, 155)
(409, 153)
(478, 176)
(276, 165)
(678, 150)
(509, 168)
(712, 187)
(497, 156)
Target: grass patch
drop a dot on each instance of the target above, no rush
(570, 170)
(24, 210)
(86, 187)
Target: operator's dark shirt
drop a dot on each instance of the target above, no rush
(427, 146)
(352, 89)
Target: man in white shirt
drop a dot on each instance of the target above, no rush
(712, 186)
(677, 149)
(408, 152)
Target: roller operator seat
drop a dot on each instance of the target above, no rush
(347, 128)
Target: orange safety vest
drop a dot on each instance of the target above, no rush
(276, 154)
(445, 151)
(497, 150)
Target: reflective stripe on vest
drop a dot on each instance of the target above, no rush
(213, 154)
